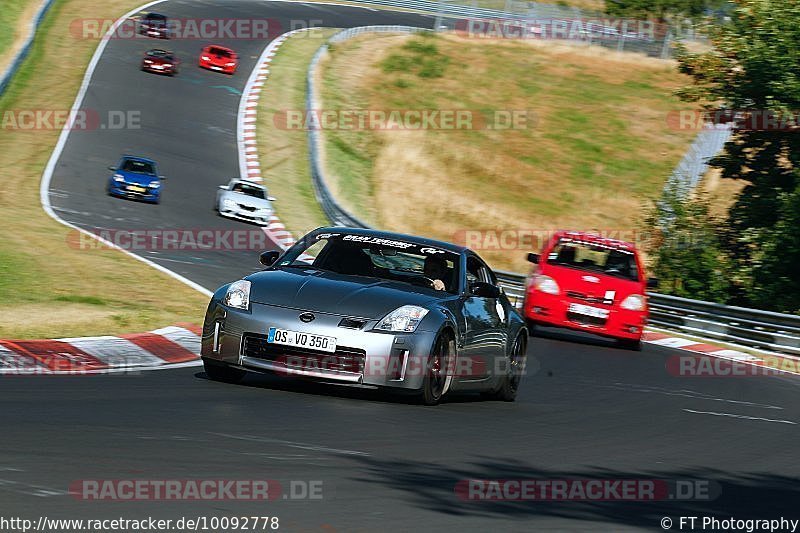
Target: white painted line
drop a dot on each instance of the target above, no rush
(743, 417)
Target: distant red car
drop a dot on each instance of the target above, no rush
(160, 62)
(589, 283)
(219, 58)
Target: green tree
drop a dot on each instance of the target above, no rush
(686, 254)
(753, 69)
(660, 9)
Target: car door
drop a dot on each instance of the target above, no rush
(484, 329)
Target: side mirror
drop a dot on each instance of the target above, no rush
(112, 169)
(269, 257)
(482, 289)
(271, 198)
(533, 258)
(652, 283)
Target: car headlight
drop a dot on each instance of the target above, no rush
(205, 58)
(227, 203)
(119, 177)
(546, 284)
(155, 184)
(232, 63)
(634, 302)
(405, 319)
(238, 295)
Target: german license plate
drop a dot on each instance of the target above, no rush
(588, 310)
(301, 340)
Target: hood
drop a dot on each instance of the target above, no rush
(590, 283)
(219, 60)
(160, 60)
(328, 292)
(137, 178)
(250, 201)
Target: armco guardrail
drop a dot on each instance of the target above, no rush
(736, 325)
(12, 68)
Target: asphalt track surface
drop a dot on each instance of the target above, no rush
(586, 409)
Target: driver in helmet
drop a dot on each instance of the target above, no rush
(436, 269)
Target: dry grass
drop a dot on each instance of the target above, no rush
(721, 193)
(284, 152)
(599, 151)
(15, 19)
(48, 288)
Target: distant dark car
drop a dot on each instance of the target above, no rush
(219, 58)
(160, 62)
(371, 309)
(154, 25)
(135, 178)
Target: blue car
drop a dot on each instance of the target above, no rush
(136, 178)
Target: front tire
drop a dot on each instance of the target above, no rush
(222, 372)
(436, 371)
(634, 345)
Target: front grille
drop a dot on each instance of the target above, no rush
(352, 323)
(344, 359)
(586, 319)
(589, 299)
(247, 207)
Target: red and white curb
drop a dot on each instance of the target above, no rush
(170, 347)
(249, 166)
(768, 361)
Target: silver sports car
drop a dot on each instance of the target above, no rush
(244, 200)
(370, 309)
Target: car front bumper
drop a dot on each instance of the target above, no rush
(248, 216)
(150, 195)
(217, 68)
(156, 69)
(553, 310)
(363, 357)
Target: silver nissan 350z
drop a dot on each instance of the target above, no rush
(371, 309)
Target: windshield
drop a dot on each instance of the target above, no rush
(249, 190)
(140, 167)
(219, 52)
(594, 258)
(365, 255)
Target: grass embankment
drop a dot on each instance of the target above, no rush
(15, 19)
(598, 151)
(283, 153)
(47, 287)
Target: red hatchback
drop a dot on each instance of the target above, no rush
(219, 58)
(589, 283)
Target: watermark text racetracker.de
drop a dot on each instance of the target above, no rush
(587, 490)
(707, 366)
(195, 489)
(205, 29)
(76, 120)
(196, 240)
(711, 523)
(405, 119)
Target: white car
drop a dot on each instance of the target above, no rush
(244, 200)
